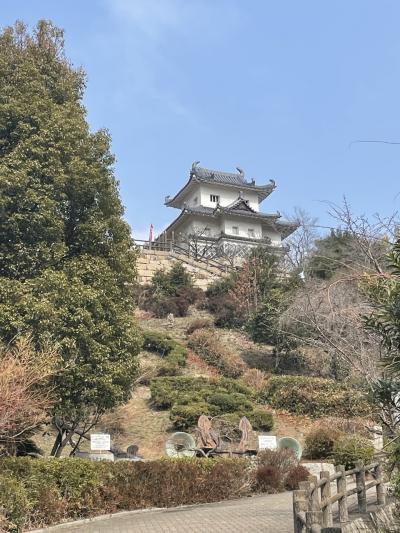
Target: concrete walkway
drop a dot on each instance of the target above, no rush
(264, 513)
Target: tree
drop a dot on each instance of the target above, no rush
(26, 393)
(67, 261)
(384, 321)
(302, 242)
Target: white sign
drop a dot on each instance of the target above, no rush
(100, 442)
(267, 442)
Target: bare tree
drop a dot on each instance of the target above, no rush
(26, 393)
(302, 242)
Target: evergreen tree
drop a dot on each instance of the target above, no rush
(67, 261)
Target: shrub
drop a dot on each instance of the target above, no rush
(169, 292)
(228, 403)
(295, 476)
(165, 391)
(174, 354)
(319, 442)
(37, 493)
(198, 323)
(184, 417)
(284, 459)
(316, 397)
(269, 479)
(14, 502)
(207, 346)
(351, 448)
(273, 467)
(255, 378)
(191, 397)
(261, 420)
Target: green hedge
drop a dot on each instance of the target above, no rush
(174, 354)
(316, 397)
(36, 492)
(190, 397)
(166, 391)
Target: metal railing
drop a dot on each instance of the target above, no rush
(172, 246)
(312, 504)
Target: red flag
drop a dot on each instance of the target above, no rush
(151, 233)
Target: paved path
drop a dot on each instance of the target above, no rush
(262, 514)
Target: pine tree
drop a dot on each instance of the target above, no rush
(67, 261)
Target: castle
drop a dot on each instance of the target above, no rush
(220, 212)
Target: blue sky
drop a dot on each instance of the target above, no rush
(278, 88)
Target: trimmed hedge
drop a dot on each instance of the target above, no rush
(174, 354)
(166, 391)
(315, 397)
(190, 397)
(36, 493)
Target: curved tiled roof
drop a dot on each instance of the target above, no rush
(236, 180)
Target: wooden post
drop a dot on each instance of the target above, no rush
(299, 505)
(380, 488)
(314, 521)
(342, 488)
(327, 519)
(360, 484)
(314, 494)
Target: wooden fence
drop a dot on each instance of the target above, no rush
(312, 504)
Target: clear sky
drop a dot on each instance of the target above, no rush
(279, 88)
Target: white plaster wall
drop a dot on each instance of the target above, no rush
(197, 225)
(226, 196)
(243, 225)
(275, 237)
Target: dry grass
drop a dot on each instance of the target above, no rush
(136, 423)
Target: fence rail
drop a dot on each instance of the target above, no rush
(171, 246)
(312, 504)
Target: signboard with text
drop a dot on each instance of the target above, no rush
(267, 442)
(100, 442)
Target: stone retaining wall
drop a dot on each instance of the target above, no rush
(151, 260)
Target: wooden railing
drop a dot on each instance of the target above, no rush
(312, 504)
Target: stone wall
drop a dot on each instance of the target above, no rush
(151, 260)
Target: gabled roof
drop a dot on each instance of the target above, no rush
(218, 177)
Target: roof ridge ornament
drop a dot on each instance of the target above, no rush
(241, 172)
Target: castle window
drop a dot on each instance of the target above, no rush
(214, 198)
(235, 230)
(250, 233)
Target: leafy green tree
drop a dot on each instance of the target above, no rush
(332, 253)
(384, 321)
(67, 261)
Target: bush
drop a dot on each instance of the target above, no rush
(198, 323)
(165, 391)
(184, 417)
(255, 378)
(316, 397)
(351, 448)
(207, 346)
(169, 292)
(14, 503)
(228, 403)
(261, 420)
(174, 354)
(269, 479)
(190, 397)
(273, 467)
(319, 442)
(295, 476)
(37, 493)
